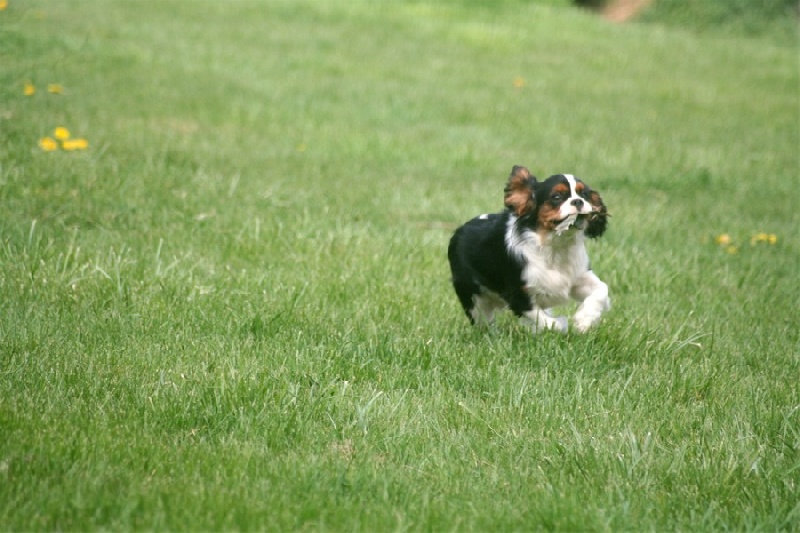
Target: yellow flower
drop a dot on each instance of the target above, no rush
(769, 238)
(732, 250)
(519, 83)
(54, 88)
(3, 4)
(48, 144)
(61, 133)
(723, 239)
(28, 89)
(75, 144)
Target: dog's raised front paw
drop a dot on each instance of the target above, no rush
(584, 322)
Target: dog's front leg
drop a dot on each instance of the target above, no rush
(539, 319)
(593, 295)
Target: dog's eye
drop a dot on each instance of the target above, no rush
(556, 197)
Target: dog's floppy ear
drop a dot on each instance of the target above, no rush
(519, 195)
(598, 220)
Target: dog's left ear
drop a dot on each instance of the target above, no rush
(598, 220)
(519, 195)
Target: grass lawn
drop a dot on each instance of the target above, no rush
(232, 310)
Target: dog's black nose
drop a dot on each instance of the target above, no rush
(577, 202)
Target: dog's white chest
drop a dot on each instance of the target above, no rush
(550, 272)
(547, 287)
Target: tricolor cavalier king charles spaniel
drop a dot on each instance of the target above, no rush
(532, 256)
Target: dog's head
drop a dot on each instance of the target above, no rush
(551, 204)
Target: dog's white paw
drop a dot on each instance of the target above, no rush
(541, 320)
(560, 324)
(590, 311)
(584, 322)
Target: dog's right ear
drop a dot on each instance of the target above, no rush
(519, 195)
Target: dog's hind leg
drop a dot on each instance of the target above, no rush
(479, 305)
(486, 303)
(466, 293)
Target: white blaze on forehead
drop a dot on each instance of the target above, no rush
(573, 183)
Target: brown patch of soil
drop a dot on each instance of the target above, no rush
(622, 10)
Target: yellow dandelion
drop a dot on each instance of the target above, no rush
(75, 144)
(723, 239)
(29, 89)
(769, 238)
(732, 250)
(48, 144)
(3, 4)
(55, 88)
(519, 82)
(61, 133)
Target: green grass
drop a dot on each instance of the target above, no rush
(775, 20)
(233, 310)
